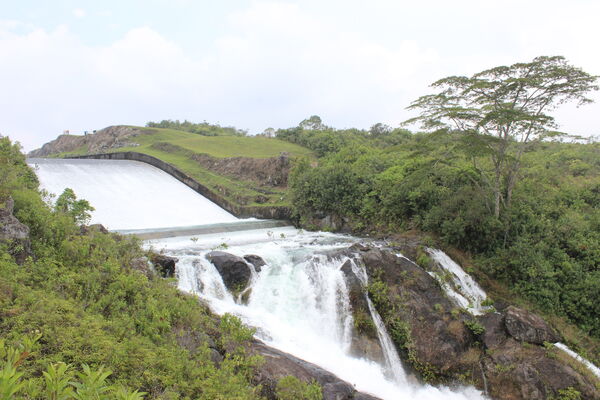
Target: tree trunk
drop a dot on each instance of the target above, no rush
(497, 189)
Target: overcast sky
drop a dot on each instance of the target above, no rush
(84, 65)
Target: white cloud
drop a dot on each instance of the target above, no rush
(276, 64)
(79, 13)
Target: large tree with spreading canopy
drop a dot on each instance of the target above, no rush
(500, 112)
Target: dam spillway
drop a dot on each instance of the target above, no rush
(129, 194)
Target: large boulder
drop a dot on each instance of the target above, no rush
(234, 270)
(164, 265)
(527, 327)
(13, 233)
(429, 331)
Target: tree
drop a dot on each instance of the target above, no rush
(380, 129)
(79, 210)
(314, 122)
(502, 111)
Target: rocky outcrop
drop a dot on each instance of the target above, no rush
(234, 270)
(279, 364)
(271, 171)
(518, 370)
(13, 233)
(527, 327)
(424, 324)
(105, 139)
(164, 265)
(143, 265)
(501, 352)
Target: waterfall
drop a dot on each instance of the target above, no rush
(299, 304)
(594, 369)
(458, 285)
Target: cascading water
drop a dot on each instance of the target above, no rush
(594, 369)
(299, 304)
(458, 285)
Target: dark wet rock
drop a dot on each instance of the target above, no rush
(359, 247)
(245, 295)
(495, 332)
(164, 265)
(528, 327)
(279, 364)
(234, 270)
(255, 260)
(13, 233)
(506, 358)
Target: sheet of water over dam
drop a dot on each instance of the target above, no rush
(298, 302)
(129, 194)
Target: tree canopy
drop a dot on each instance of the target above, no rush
(500, 111)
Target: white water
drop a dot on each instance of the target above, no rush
(589, 365)
(461, 288)
(299, 304)
(129, 194)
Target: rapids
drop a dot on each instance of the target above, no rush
(299, 304)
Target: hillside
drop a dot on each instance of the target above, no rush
(243, 170)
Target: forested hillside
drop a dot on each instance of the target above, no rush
(489, 178)
(546, 246)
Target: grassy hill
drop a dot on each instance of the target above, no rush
(216, 146)
(197, 155)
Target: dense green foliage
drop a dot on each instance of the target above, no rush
(202, 128)
(292, 388)
(501, 111)
(324, 140)
(81, 295)
(546, 246)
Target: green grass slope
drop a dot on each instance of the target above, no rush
(177, 147)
